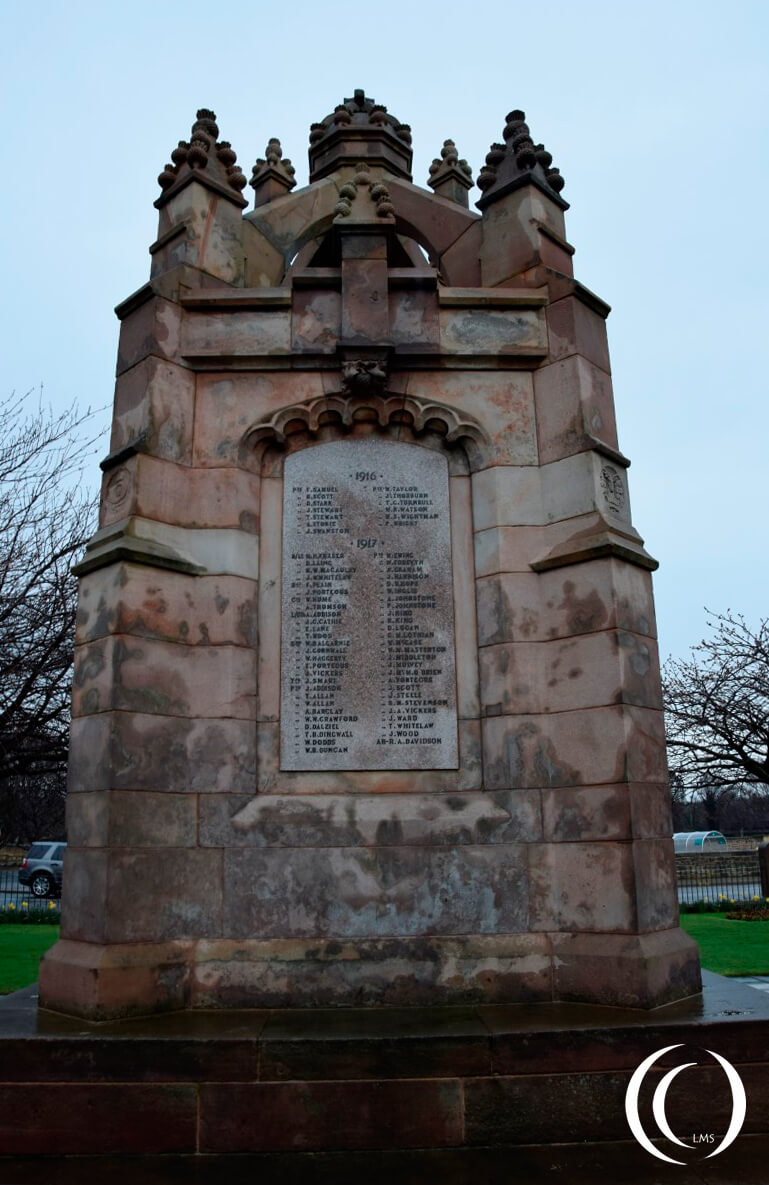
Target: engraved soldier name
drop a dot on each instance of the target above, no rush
(367, 647)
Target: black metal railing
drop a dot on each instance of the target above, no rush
(15, 897)
(716, 878)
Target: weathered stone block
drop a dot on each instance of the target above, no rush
(223, 550)
(164, 678)
(571, 814)
(228, 405)
(100, 982)
(154, 404)
(414, 317)
(370, 820)
(154, 328)
(132, 599)
(316, 320)
(345, 1115)
(574, 406)
(59, 1119)
(167, 492)
(461, 262)
(236, 332)
(651, 810)
(135, 895)
(434, 1043)
(132, 819)
(264, 265)
(579, 599)
(584, 747)
(573, 328)
(527, 1109)
(395, 971)
(161, 899)
(357, 893)
(655, 884)
(446, 221)
(512, 240)
(494, 331)
(506, 549)
(503, 401)
(584, 671)
(582, 483)
(633, 971)
(212, 239)
(149, 752)
(507, 497)
(582, 886)
(285, 219)
(86, 875)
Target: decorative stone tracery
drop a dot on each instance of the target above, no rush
(431, 425)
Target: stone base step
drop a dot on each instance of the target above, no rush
(463, 1092)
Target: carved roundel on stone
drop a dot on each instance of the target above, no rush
(613, 488)
(118, 486)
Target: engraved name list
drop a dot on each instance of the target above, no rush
(367, 644)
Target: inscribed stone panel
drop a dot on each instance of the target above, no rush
(367, 647)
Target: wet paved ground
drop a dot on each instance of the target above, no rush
(755, 981)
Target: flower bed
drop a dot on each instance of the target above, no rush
(22, 915)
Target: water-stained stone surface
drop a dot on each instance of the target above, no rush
(363, 892)
(366, 820)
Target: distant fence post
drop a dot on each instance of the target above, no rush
(763, 864)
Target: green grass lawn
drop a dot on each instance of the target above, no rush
(20, 950)
(730, 948)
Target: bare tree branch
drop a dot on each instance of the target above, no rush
(46, 515)
(717, 708)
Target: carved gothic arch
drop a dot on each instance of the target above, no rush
(404, 418)
(313, 212)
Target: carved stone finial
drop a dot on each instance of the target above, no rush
(362, 197)
(517, 162)
(451, 177)
(360, 127)
(272, 176)
(203, 158)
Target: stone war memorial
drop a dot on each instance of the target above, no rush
(366, 698)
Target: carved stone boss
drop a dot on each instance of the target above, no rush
(368, 666)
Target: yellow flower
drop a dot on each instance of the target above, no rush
(51, 905)
(25, 905)
(11, 906)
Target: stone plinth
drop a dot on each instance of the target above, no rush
(210, 1097)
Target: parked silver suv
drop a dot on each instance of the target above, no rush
(41, 868)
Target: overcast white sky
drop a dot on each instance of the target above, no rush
(656, 114)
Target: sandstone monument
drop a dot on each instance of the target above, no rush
(366, 699)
